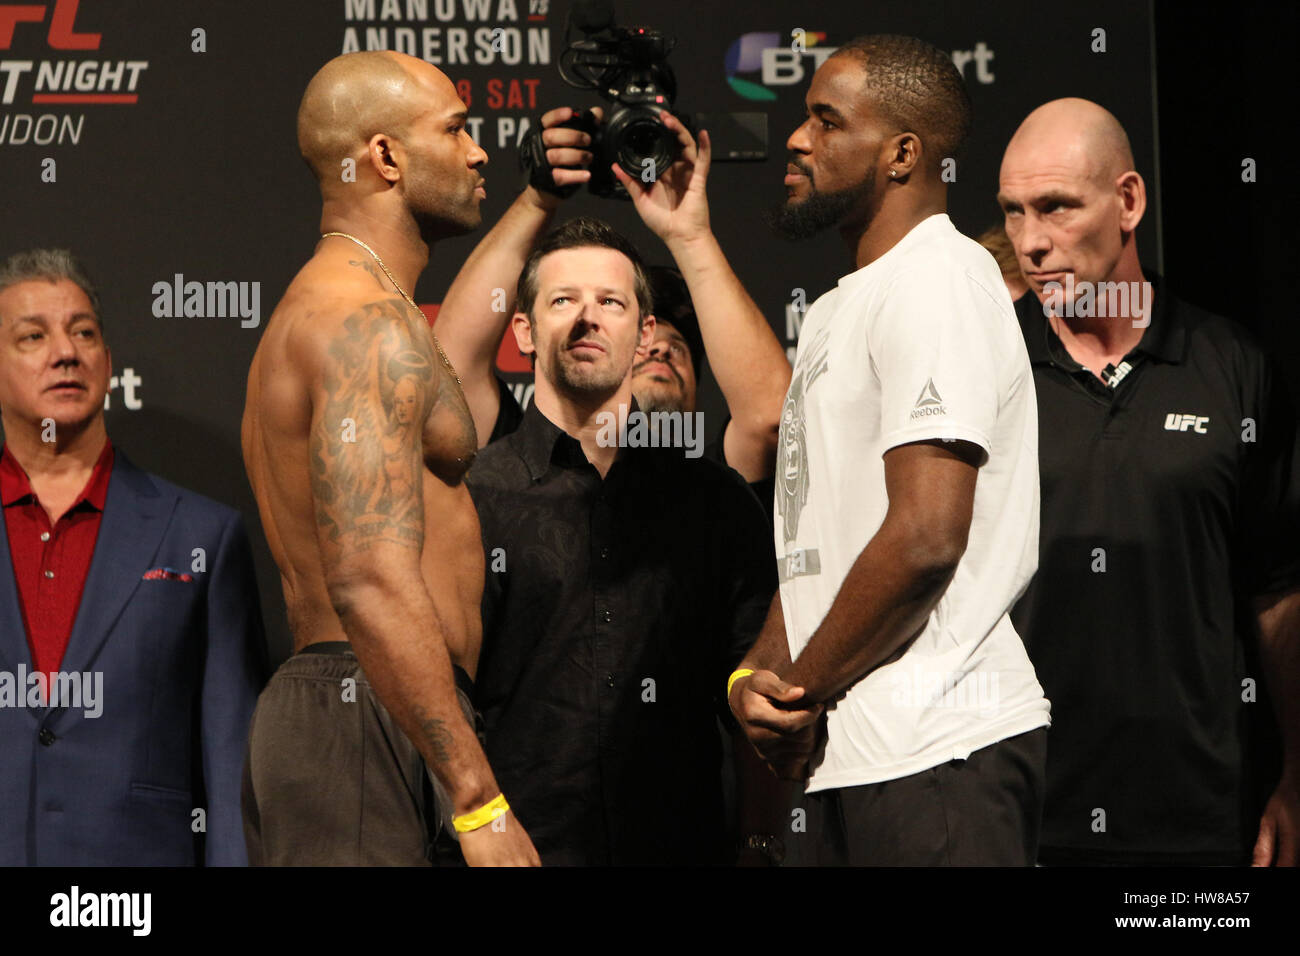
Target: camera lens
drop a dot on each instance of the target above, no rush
(640, 136)
(643, 140)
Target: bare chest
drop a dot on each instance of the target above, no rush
(449, 439)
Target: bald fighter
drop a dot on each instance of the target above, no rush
(356, 438)
(1168, 572)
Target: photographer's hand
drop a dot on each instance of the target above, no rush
(470, 322)
(745, 356)
(568, 151)
(675, 207)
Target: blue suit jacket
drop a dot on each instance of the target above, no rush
(182, 664)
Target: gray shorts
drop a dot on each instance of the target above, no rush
(331, 780)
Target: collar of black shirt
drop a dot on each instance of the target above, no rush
(1165, 339)
(542, 443)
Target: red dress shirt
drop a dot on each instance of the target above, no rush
(51, 563)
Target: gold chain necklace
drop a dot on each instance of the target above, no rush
(402, 292)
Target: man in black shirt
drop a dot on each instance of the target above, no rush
(709, 306)
(665, 378)
(623, 584)
(1166, 446)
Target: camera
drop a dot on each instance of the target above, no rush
(628, 66)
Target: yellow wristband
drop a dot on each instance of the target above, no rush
(736, 675)
(482, 816)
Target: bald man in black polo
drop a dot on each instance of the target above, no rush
(1168, 580)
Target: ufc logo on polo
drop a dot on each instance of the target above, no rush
(1180, 423)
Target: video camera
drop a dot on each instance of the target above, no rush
(628, 66)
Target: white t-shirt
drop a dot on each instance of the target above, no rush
(920, 344)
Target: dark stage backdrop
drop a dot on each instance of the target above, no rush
(153, 160)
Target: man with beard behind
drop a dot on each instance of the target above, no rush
(356, 438)
(710, 310)
(897, 567)
(666, 378)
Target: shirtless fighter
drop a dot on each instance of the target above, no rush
(356, 438)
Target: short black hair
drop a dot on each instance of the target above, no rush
(577, 234)
(916, 86)
(673, 305)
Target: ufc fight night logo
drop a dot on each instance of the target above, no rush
(60, 80)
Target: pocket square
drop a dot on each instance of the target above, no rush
(167, 574)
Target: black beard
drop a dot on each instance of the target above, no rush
(661, 403)
(819, 212)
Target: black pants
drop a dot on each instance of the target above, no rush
(331, 780)
(981, 811)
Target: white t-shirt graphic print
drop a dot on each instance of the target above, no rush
(920, 344)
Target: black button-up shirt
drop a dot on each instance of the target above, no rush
(1164, 510)
(613, 613)
(764, 489)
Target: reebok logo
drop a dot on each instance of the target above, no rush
(929, 402)
(1175, 422)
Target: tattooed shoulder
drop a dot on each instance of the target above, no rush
(369, 266)
(379, 384)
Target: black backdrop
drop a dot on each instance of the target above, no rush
(200, 174)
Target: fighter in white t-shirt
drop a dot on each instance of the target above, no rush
(888, 674)
(920, 344)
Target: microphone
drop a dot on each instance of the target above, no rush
(1112, 375)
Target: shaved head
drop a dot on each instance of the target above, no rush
(1071, 197)
(357, 95)
(387, 136)
(1073, 133)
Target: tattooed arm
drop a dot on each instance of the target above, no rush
(375, 387)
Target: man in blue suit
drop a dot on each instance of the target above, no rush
(131, 643)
